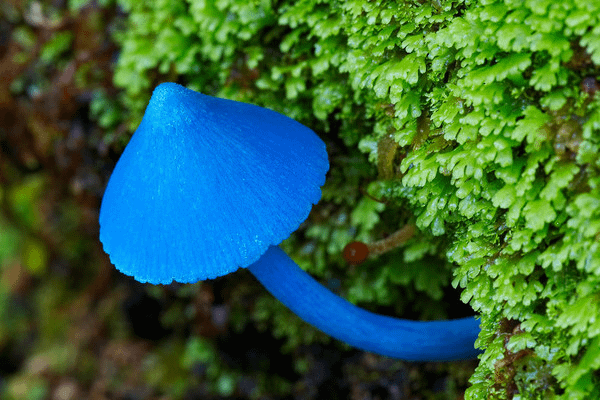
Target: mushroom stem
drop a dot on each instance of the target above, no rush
(407, 340)
(393, 241)
(357, 252)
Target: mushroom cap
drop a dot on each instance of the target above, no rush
(355, 253)
(206, 185)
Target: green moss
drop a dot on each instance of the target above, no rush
(496, 158)
(58, 44)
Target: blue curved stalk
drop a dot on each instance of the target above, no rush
(407, 340)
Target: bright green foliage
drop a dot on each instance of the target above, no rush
(497, 153)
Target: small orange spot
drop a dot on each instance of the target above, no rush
(356, 253)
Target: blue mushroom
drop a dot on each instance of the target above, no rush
(208, 185)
